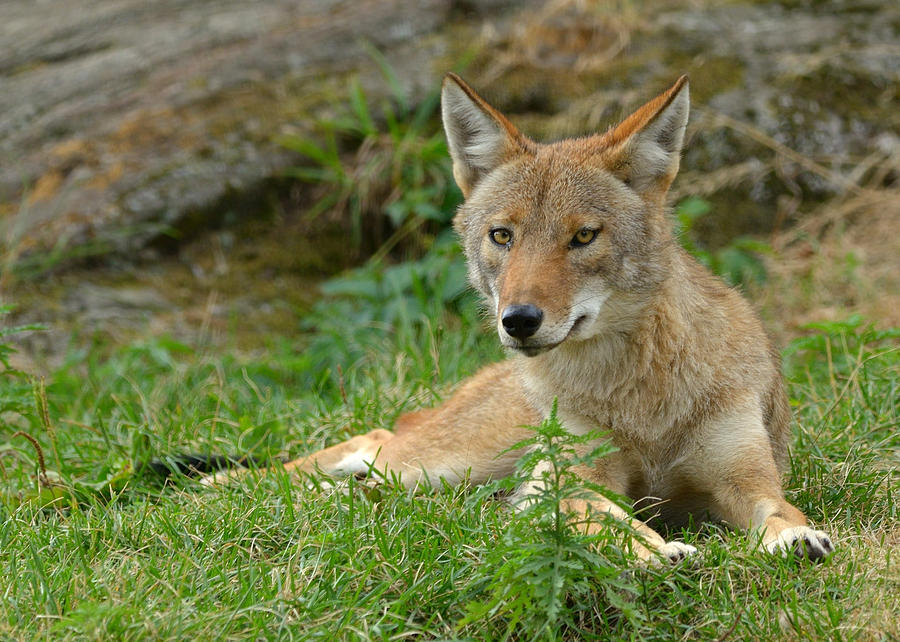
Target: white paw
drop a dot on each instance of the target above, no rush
(216, 479)
(676, 551)
(802, 541)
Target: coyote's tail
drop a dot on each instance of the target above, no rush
(195, 465)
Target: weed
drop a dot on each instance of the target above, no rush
(738, 262)
(400, 169)
(544, 570)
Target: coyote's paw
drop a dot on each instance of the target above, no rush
(218, 479)
(675, 551)
(662, 554)
(802, 541)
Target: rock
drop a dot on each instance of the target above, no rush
(790, 100)
(121, 121)
(125, 122)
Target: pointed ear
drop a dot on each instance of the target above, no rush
(646, 146)
(479, 137)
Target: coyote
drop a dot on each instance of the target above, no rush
(571, 246)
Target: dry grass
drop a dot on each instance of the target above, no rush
(844, 257)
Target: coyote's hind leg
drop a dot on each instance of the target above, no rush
(356, 456)
(469, 436)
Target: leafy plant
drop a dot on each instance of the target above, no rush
(738, 262)
(404, 302)
(842, 342)
(399, 168)
(545, 569)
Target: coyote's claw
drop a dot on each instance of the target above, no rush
(676, 552)
(802, 541)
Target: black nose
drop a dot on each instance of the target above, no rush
(521, 321)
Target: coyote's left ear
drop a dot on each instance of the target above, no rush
(645, 149)
(479, 137)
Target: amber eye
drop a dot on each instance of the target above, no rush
(583, 237)
(501, 236)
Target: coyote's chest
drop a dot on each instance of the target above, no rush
(595, 391)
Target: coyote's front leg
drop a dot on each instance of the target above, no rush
(647, 543)
(739, 466)
(752, 499)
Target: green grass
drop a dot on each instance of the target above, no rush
(121, 556)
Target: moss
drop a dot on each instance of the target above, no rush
(710, 76)
(836, 88)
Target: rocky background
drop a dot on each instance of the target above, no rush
(142, 187)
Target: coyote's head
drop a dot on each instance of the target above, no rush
(564, 239)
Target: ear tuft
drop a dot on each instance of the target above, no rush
(648, 143)
(478, 136)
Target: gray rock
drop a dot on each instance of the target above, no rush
(120, 119)
(124, 120)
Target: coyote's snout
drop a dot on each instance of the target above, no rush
(571, 246)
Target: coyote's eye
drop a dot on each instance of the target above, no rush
(501, 236)
(583, 237)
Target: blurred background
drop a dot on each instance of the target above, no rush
(226, 172)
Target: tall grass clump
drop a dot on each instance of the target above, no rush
(546, 577)
(389, 165)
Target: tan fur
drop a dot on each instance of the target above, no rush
(633, 336)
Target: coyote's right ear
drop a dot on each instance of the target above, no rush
(479, 137)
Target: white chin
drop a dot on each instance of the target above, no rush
(533, 351)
